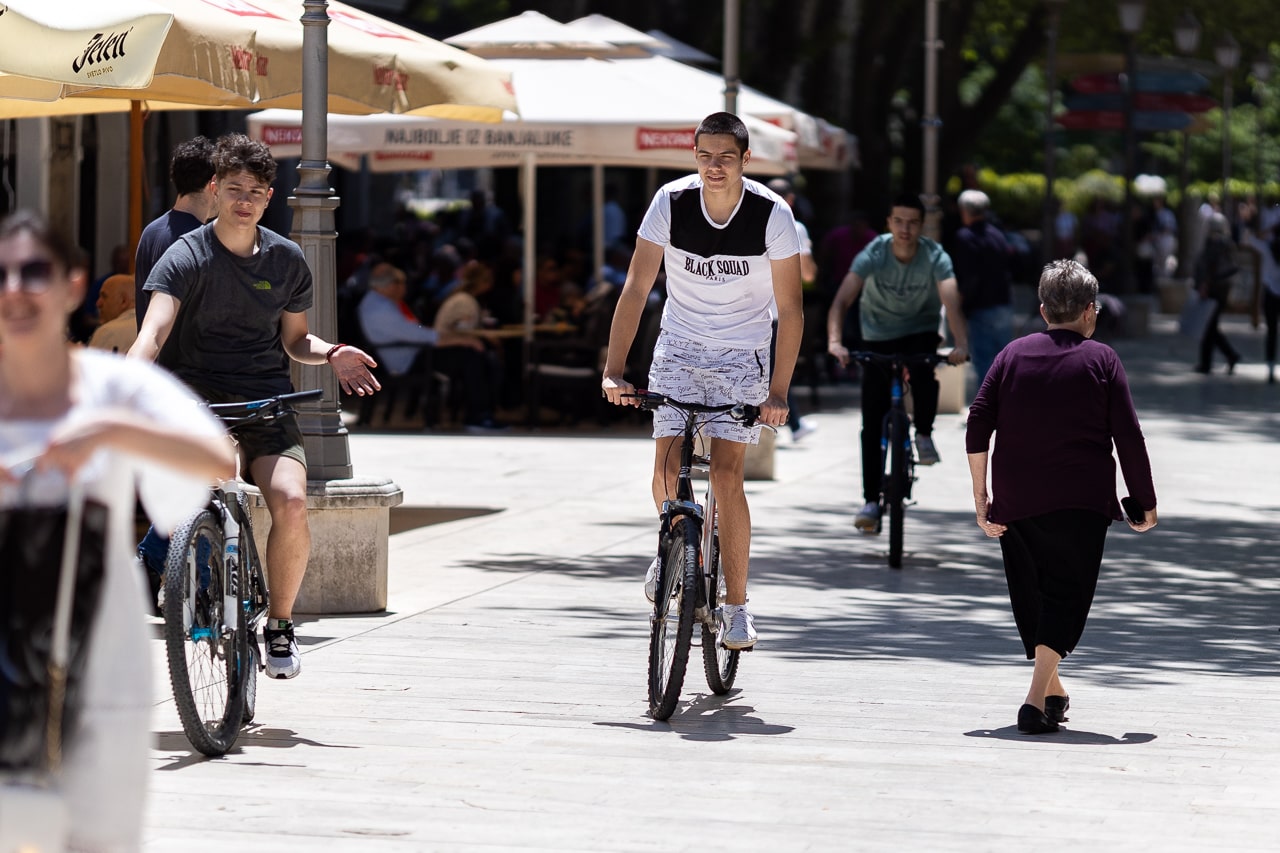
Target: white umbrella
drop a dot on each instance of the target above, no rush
(247, 54)
(402, 143)
(530, 34)
(225, 53)
(572, 112)
(673, 48)
(80, 42)
(604, 28)
(820, 144)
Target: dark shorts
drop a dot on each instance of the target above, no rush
(280, 437)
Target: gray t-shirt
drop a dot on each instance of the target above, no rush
(900, 299)
(226, 336)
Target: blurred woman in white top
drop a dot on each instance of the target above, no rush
(117, 427)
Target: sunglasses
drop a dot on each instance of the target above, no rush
(33, 276)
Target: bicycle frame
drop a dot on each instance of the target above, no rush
(688, 578)
(898, 410)
(897, 463)
(703, 515)
(211, 636)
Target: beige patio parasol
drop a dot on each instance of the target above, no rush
(230, 54)
(239, 53)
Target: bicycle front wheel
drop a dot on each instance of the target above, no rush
(720, 664)
(898, 484)
(671, 632)
(201, 638)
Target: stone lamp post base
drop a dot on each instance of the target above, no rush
(350, 523)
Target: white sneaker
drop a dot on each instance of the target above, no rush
(868, 518)
(283, 659)
(737, 628)
(807, 427)
(651, 581)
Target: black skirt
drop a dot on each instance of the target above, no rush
(1051, 563)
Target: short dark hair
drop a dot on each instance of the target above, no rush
(1066, 289)
(71, 256)
(191, 166)
(911, 200)
(724, 124)
(236, 152)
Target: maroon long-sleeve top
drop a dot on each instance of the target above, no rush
(1056, 402)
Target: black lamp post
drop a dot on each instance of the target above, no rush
(1227, 54)
(1131, 14)
(1047, 229)
(1261, 74)
(1186, 36)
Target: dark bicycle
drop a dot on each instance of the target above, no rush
(215, 597)
(690, 586)
(896, 460)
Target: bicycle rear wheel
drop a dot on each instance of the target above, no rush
(720, 664)
(671, 631)
(897, 485)
(204, 647)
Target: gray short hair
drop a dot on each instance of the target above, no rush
(1066, 289)
(974, 202)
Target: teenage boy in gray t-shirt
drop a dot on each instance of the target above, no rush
(227, 313)
(904, 280)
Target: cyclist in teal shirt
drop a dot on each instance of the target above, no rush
(904, 280)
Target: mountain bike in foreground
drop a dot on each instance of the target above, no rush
(215, 595)
(691, 586)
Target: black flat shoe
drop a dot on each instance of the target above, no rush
(1032, 721)
(1231, 364)
(1055, 708)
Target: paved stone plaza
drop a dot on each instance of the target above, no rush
(500, 704)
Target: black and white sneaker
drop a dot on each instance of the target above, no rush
(283, 660)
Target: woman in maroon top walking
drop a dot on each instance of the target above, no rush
(1057, 403)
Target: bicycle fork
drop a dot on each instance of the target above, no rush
(230, 565)
(896, 405)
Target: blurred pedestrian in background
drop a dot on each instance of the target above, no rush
(1215, 270)
(980, 257)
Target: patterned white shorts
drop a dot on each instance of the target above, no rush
(693, 372)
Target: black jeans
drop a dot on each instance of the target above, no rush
(876, 401)
(1213, 337)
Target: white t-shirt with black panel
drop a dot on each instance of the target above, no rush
(719, 276)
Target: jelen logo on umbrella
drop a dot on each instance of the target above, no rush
(101, 48)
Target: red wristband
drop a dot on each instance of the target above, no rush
(332, 350)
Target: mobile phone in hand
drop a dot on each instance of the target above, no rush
(1133, 510)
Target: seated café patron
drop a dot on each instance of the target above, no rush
(391, 327)
(119, 325)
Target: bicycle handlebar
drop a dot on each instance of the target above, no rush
(236, 414)
(744, 413)
(905, 359)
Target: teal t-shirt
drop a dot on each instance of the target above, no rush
(900, 299)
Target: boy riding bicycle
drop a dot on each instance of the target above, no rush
(227, 313)
(904, 280)
(732, 257)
